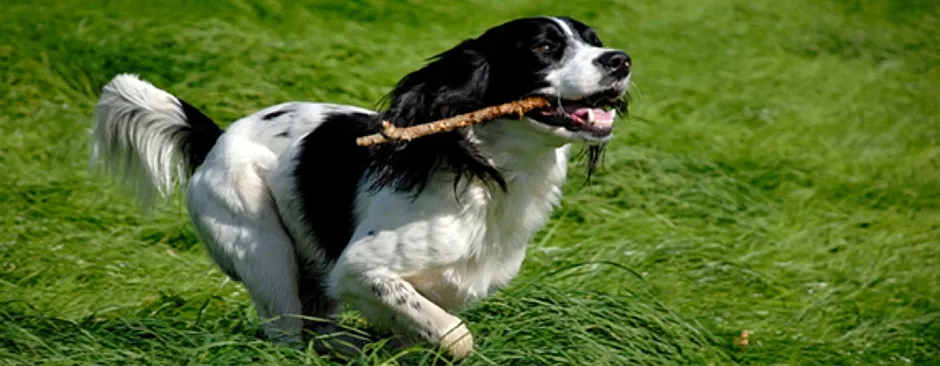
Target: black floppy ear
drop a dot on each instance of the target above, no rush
(454, 82)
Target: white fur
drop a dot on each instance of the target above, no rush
(133, 116)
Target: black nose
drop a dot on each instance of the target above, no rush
(616, 62)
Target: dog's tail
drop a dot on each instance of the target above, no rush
(149, 139)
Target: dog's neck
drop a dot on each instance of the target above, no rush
(519, 151)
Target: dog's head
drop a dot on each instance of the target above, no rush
(558, 58)
(563, 60)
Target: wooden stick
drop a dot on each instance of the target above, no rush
(391, 133)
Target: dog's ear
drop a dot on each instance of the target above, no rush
(452, 83)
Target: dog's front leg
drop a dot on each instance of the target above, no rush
(379, 291)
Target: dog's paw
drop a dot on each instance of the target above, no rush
(458, 341)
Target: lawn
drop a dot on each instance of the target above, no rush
(779, 173)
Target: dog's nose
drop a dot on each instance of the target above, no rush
(616, 62)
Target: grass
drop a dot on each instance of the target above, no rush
(778, 174)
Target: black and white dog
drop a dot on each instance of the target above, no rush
(289, 205)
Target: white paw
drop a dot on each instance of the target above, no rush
(458, 341)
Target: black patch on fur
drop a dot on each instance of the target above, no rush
(379, 290)
(275, 114)
(285, 134)
(426, 333)
(581, 30)
(401, 300)
(199, 138)
(328, 172)
(416, 305)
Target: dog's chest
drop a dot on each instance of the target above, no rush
(497, 227)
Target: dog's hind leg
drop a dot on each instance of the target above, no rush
(234, 214)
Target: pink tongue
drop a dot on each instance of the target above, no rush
(599, 114)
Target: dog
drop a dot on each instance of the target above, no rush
(406, 232)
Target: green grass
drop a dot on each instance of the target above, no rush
(779, 174)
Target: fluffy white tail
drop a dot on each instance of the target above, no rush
(149, 139)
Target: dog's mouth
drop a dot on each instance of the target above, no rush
(594, 114)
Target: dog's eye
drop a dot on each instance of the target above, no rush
(544, 46)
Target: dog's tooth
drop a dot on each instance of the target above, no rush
(590, 116)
